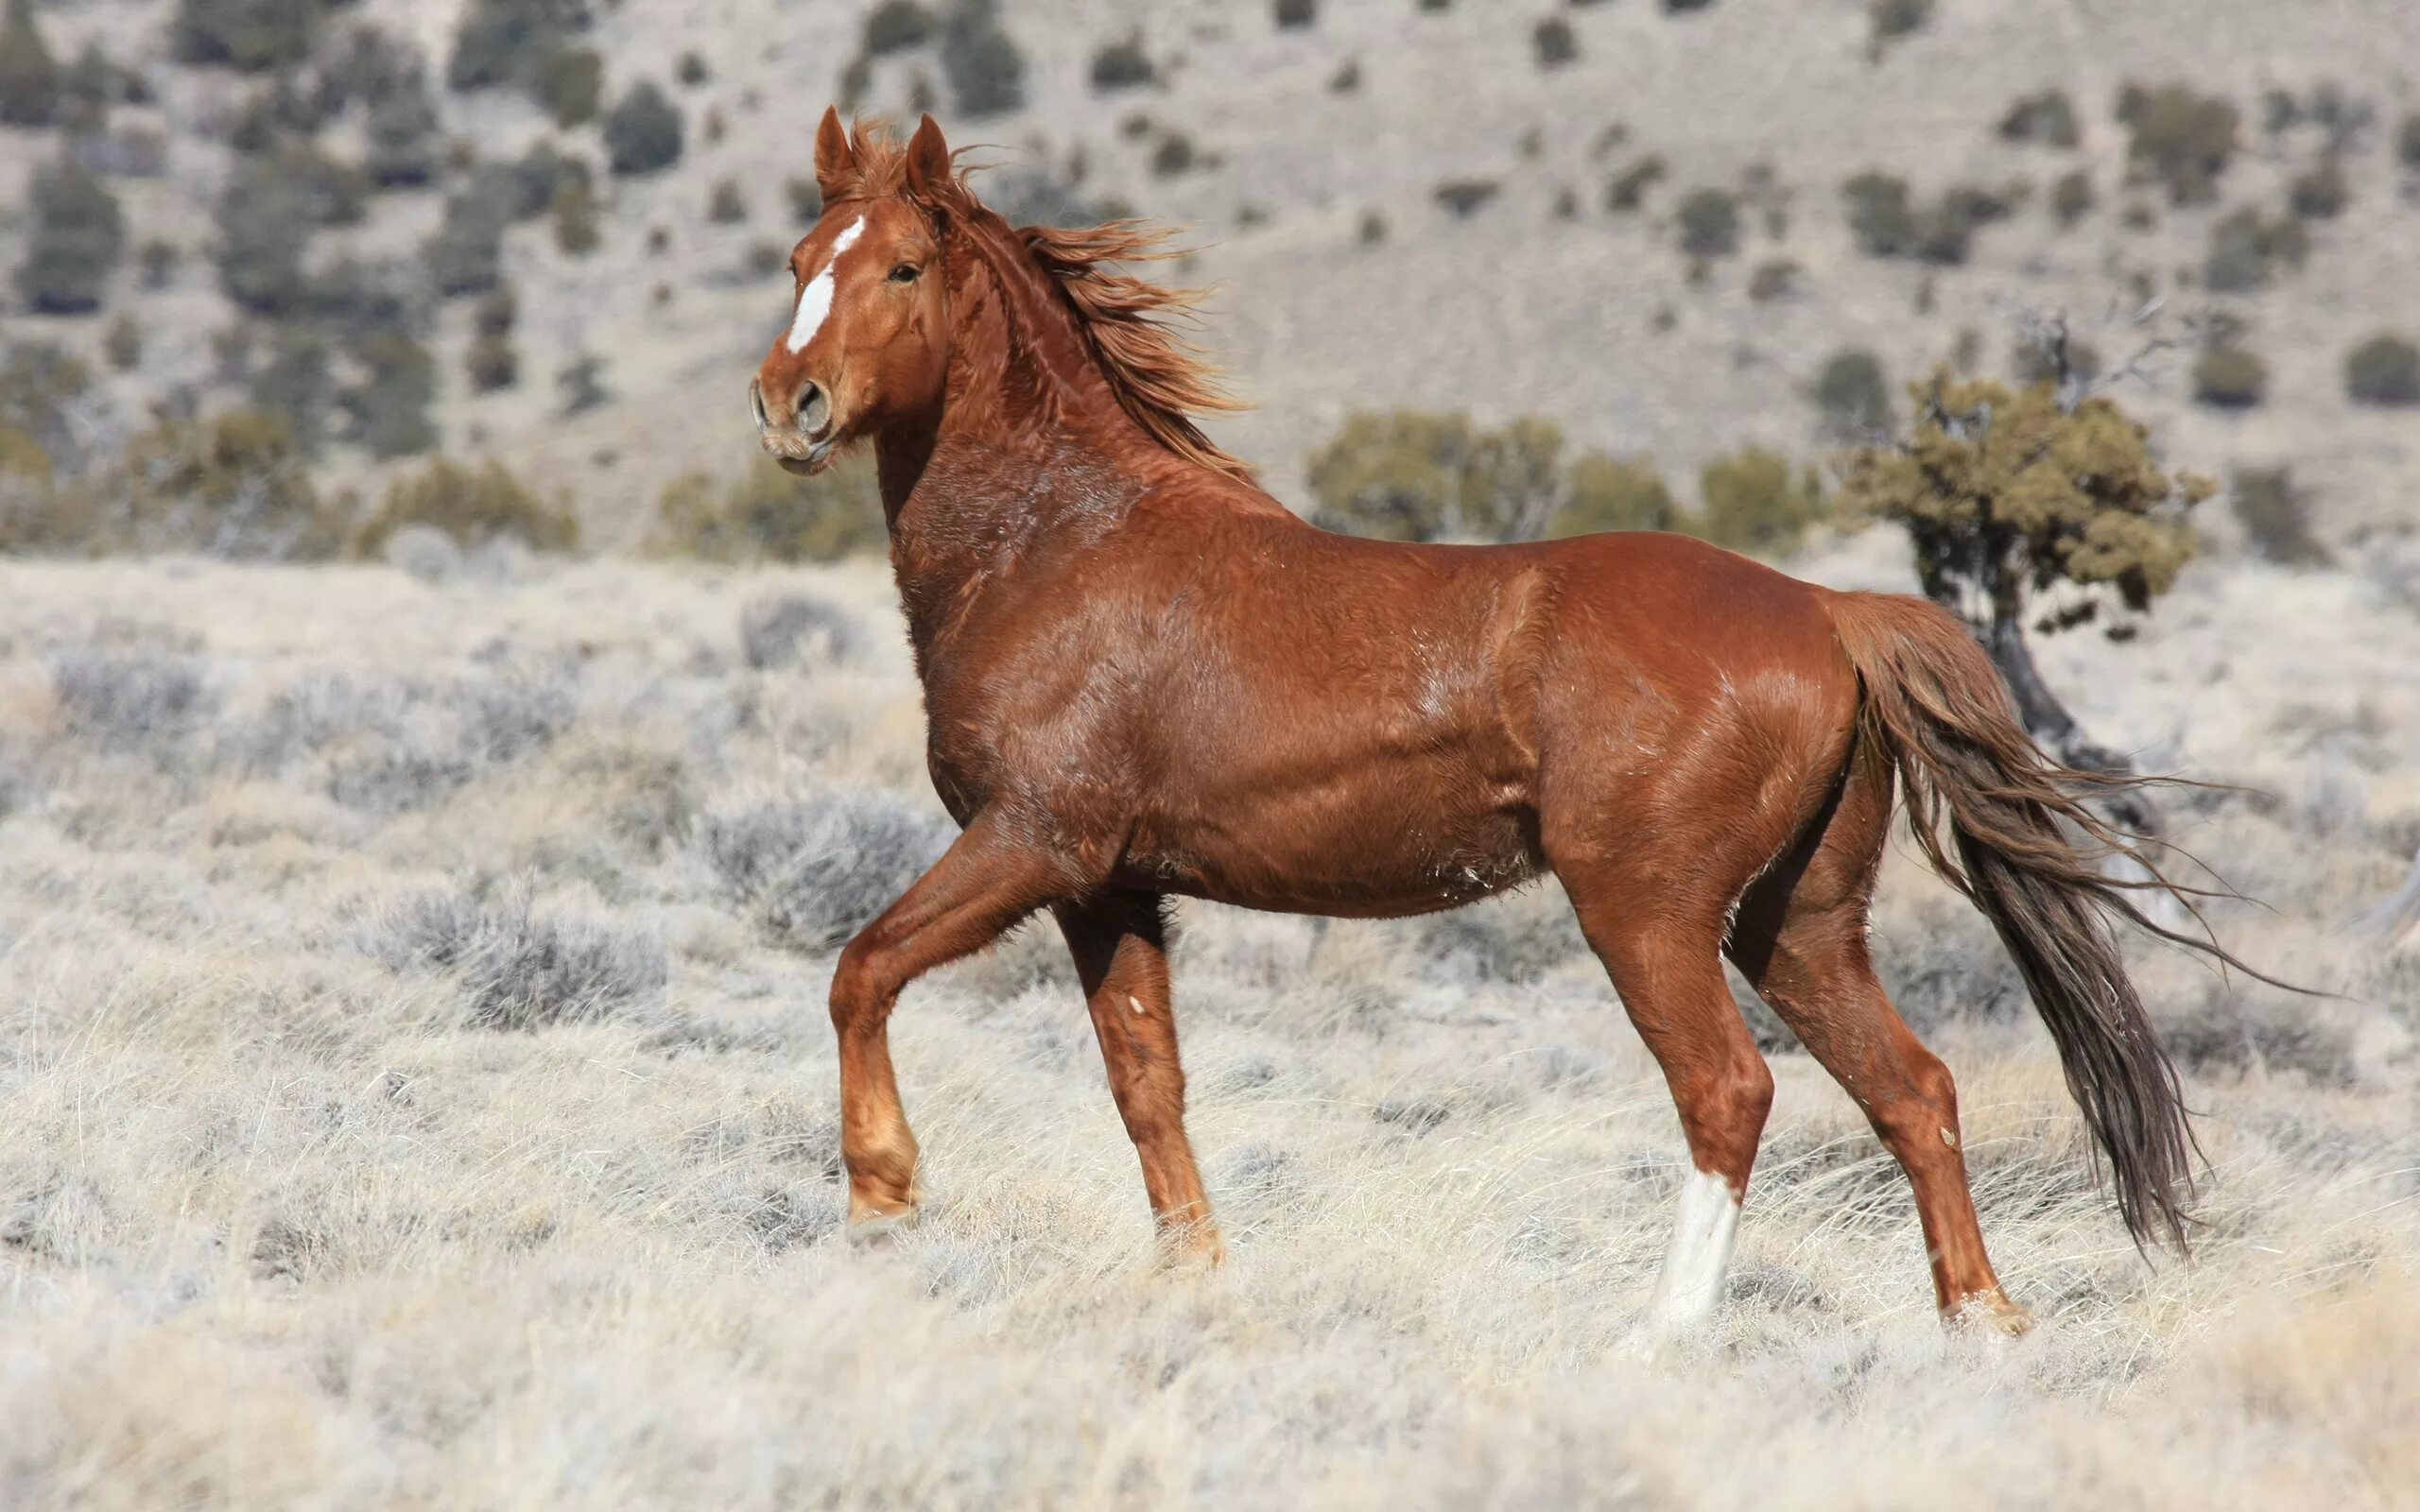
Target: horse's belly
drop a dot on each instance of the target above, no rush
(1386, 849)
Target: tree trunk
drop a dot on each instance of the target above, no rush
(2048, 721)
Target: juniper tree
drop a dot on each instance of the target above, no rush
(2035, 510)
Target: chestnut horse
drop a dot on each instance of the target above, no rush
(1143, 676)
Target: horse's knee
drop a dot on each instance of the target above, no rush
(1723, 1111)
(858, 994)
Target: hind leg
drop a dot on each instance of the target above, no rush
(1800, 938)
(1668, 971)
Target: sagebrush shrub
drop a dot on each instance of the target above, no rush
(127, 699)
(77, 239)
(2181, 137)
(518, 970)
(30, 83)
(1708, 222)
(768, 515)
(2229, 377)
(2274, 513)
(471, 505)
(980, 59)
(2383, 370)
(778, 630)
(1753, 502)
(1853, 396)
(643, 132)
(816, 869)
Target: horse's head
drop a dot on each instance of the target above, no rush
(867, 341)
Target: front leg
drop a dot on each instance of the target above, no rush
(1119, 945)
(976, 892)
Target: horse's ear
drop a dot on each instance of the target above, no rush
(835, 161)
(928, 161)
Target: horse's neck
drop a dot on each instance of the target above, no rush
(1030, 452)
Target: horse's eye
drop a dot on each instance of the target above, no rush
(904, 273)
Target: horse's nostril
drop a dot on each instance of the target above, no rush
(813, 409)
(757, 404)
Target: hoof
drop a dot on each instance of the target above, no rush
(1989, 1311)
(874, 1225)
(1195, 1248)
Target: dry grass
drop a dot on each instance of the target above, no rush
(292, 1214)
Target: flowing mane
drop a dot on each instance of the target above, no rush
(1161, 380)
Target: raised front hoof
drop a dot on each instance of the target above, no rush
(877, 1225)
(1989, 1312)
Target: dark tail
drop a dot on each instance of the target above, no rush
(1936, 704)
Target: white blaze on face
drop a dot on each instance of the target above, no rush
(1700, 1254)
(814, 301)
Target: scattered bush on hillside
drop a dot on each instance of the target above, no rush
(2320, 193)
(2229, 377)
(1552, 41)
(1708, 222)
(1888, 21)
(1410, 476)
(2072, 198)
(581, 384)
(78, 237)
(264, 226)
(2179, 137)
(513, 43)
(569, 85)
(2248, 249)
(30, 83)
(401, 132)
(726, 205)
(2045, 119)
(1880, 214)
(986, 72)
(691, 70)
(574, 216)
(389, 405)
(473, 506)
(43, 390)
(1775, 279)
(466, 256)
(1293, 14)
(1751, 502)
(768, 515)
(255, 36)
(896, 25)
(2383, 370)
(2276, 516)
(294, 385)
(1627, 190)
(643, 132)
(233, 485)
(2407, 142)
(127, 700)
(1853, 397)
(1462, 198)
(1122, 64)
(122, 342)
(1614, 493)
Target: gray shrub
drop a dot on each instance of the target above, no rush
(125, 701)
(814, 869)
(785, 630)
(518, 969)
(389, 744)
